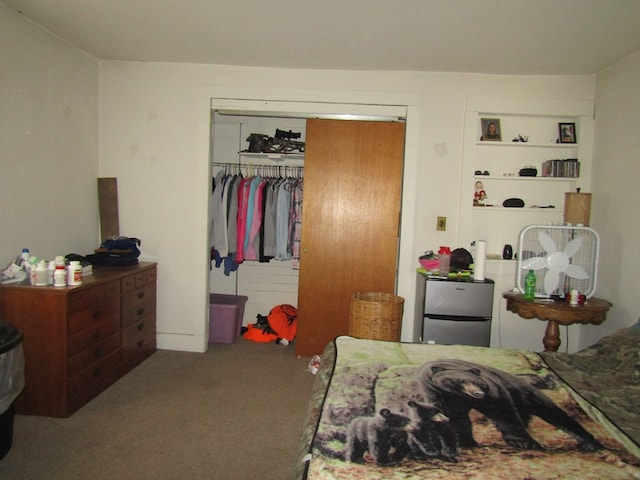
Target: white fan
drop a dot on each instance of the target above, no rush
(563, 258)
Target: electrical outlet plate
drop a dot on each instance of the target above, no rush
(441, 226)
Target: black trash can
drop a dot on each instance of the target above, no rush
(11, 381)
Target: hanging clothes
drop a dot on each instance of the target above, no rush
(282, 221)
(244, 189)
(296, 220)
(254, 221)
(255, 218)
(268, 226)
(219, 232)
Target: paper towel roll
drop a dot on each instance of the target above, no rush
(480, 261)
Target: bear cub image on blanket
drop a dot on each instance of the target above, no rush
(433, 437)
(381, 434)
(457, 386)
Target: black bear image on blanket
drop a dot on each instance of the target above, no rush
(457, 386)
(383, 435)
(433, 437)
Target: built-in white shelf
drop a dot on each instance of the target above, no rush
(489, 143)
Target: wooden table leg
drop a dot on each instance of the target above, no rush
(551, 338)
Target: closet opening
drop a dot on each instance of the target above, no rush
(265, 268)
(269, 277)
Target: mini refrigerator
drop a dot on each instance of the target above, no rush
(455, 310)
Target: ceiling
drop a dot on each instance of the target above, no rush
(480, 36)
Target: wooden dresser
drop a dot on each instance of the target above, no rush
(80, 340)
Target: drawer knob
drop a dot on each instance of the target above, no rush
(97, 334)
(140, 326)
(97, 372)
(140, 343)
(140, 295)
(97, 352)
(140, 311)
(97, 314)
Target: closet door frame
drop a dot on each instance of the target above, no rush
(357, 106)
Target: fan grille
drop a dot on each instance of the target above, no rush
(561, 253)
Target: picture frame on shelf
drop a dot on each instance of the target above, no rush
(567, 132)
(491, 131)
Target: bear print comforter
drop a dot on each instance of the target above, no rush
(386, 410)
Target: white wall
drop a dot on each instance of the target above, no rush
(154, 131)
(48, 143)
(615, 202)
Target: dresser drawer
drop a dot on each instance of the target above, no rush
(91, 381)
(138, 303)
(138, 336)
(139, 279)
(84, 297)
(152, 275)
(91, 336)
(95, 353)
(93, 314)
(128, 283)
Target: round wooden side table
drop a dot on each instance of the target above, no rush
(593, 311)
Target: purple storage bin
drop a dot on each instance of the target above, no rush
(225, 317)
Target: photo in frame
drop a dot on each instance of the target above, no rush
(491, 130)
(567, 132)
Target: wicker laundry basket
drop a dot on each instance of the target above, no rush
(377, 316)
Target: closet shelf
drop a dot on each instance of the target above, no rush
(277, 157)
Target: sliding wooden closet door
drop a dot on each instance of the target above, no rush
(350, 222)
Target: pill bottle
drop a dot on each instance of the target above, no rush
(40, 274)
(74, 273)
(60, 276)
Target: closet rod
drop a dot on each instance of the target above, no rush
(262, 169)
(238, 164)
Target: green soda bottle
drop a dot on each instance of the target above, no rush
(530, 285)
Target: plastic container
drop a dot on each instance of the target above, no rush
(11, 381)
(444, 259)
(51, 270)
(225, 317)
(40, 274)
(24, 258)
(60, 276)
(74, 276)
(530, 285)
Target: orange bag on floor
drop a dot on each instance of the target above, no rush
(281, 324)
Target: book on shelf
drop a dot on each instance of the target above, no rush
(567, 168)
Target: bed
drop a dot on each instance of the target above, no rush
(387, 410)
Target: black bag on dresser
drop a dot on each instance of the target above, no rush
(117, 251)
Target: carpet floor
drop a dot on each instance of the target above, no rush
(234, 412)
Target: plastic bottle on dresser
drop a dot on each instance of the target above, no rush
(24, 257)
(74, 276)
(51, 269)
(60, 276)
(39, 274)
(36, 271)
(60, 261)
(530, 285)
(444, 260)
